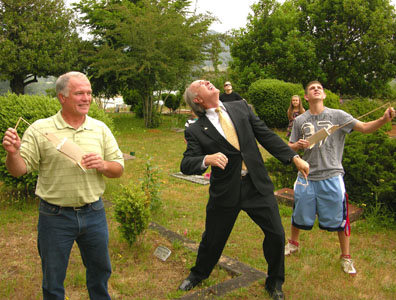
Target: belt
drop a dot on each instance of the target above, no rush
(76, 208)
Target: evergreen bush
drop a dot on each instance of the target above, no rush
(132, 211)
(172, 101)
(138, 110)
(134, 204)
(131, 97)
(283, 176)
(370, 164)
(151, 186)
(156, 118)
(271, 99)
(332, 100)
(31, 108)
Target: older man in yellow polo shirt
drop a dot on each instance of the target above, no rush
(71, 208)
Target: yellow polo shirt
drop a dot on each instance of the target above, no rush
(61, 181)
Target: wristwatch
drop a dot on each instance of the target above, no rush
(295, 156)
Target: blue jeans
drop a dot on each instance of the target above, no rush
(58, 228)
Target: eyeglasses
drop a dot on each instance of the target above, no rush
(227, 84)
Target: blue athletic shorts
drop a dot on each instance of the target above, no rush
(325, 198)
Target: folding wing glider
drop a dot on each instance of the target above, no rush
(64, 146)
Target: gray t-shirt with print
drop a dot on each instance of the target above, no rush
(325, 158)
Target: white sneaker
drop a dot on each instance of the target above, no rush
(347, 266)
(290, 248)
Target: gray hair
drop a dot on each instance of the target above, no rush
(62, 83)
(189, 97)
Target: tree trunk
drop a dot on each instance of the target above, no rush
(147, 111)
(17, 85)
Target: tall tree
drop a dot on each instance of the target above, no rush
(355, 42)
(349, 45)
(37, 38)
(147, 46)
(271, 46)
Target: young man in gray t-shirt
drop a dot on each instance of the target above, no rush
(323, 192)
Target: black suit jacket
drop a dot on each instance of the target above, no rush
(203, 139)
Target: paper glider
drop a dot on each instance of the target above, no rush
(321, 135)
(64, 146)
(325, 132)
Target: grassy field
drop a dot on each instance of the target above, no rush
(314, 273)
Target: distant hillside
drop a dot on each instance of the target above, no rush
(225, 58)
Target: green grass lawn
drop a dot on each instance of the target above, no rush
(314, 273)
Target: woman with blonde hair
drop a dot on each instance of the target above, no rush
(295, 109)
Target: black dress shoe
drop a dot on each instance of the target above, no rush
(190, 282)
(276, 294)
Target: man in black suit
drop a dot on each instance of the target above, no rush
(239, 180)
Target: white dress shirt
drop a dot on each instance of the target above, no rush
(214, 119)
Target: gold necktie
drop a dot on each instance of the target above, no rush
(229, 132)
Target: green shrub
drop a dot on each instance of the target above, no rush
(131, 97)
(133, 205)
(51, 92)
(132, 211)
(370, 164)
(17, 199)
(172, 101)
(31, 108)
(392, 90)
(178, 120)
(332, 100)
(283, 176)
(156, 119)
(271, 99)
(156, 116)
(138, 110)
(151, 186)
(379, 218)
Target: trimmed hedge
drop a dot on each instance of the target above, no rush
(271, 99)
(31, 108)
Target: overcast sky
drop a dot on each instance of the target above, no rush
(232, 14)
